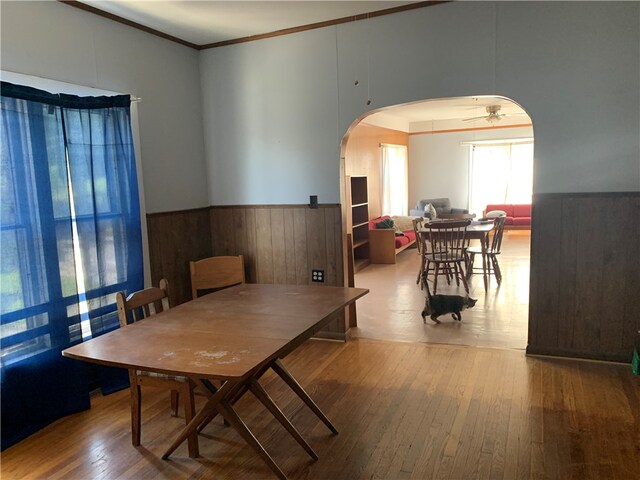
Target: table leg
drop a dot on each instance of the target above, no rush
(227, 411)
(238, 394)
(286, 376)
(280, 369)
(218, 402)
(266, 400)
(209, 389)
(192, 426)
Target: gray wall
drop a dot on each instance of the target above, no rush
(55, 41)
(270, 116)
(573, 66)
(275, 110)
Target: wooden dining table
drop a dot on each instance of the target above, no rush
(233, 336)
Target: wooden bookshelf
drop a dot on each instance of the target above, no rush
(359, 220)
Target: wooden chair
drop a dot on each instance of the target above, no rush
(421, 245)
(216, 272)
(490, 259)
(445, 250)
(417, 229)
(136, 307)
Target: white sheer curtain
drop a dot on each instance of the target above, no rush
(394, 182)
(500, 173)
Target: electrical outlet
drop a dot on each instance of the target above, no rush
(317, 276)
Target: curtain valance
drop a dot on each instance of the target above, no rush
(23, 92)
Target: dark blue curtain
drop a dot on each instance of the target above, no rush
(102, 174)
(70, 226)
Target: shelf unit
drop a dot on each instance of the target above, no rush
(359, 220)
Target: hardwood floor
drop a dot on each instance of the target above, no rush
(404, 410)
(424, 407)
(500, 318)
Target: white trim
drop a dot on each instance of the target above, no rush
(499, 142)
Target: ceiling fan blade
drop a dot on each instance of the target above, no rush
(473, 118)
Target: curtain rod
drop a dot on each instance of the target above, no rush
(48, 84)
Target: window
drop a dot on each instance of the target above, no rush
(500, 173)
(70, 220)
(394, 180)
(70, 239)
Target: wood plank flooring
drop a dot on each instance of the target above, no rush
(500, 318)
(404, 411)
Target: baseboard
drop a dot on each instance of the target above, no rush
(343, 337)
(517, 227)
(577, 354)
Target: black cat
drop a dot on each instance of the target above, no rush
(437, 305)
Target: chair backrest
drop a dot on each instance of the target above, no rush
(498, 230)
(417, 229)
(216, 272)
(143, 303)
(446, 240)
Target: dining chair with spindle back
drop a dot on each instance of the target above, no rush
(444, 250)
(490, 255)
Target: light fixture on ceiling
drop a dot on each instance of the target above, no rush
(492, 114)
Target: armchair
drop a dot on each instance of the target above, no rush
(442, 206)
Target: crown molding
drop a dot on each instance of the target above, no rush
(277, 33)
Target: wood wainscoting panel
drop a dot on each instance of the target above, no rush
(175, 239)
(585, 275)
(282, 244)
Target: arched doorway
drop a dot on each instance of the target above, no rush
(442, 136)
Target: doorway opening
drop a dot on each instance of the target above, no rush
(473, 151)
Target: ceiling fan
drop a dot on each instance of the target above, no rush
(493, 115)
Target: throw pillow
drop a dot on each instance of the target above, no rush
(386, 223)
(402, 223)
(430, 211)
(496, 213)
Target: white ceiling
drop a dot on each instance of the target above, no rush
(447, 108)
(449, 113)
(206, 22)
